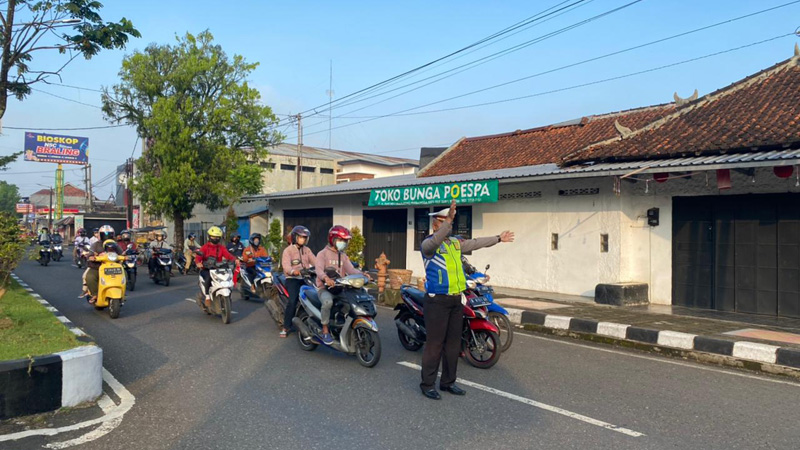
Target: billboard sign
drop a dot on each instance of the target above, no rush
(436, 194)
(24, 208)
(54, 148)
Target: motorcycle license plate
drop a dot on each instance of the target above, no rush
(113, 271)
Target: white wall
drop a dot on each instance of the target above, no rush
(375, 169)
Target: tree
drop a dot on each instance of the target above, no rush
(275, 239)
(9, 196)
(6, 160)
(12, 246)
(25, 24)
(202, 124)
(231, 223)
(355, 249)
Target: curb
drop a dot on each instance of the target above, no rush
(49, 382)
(748, 354)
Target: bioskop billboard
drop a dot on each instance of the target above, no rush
(54, 148)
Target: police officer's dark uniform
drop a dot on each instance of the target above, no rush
(445, 281)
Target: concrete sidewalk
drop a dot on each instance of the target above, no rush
(768, 344)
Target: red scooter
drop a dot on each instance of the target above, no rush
(480, 340)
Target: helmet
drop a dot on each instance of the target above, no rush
(106, 233)
(236, 237)
(192, 236)
(109, 245)
(253, 238)
(300, 230)
(95, 230)
(125, 235)
(82, 232)
(338, 232)
(214, 235)
(160, 234)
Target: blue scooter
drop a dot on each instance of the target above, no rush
(478, 283)
(262, 280)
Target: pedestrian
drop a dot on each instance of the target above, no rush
(296, 258)
(445, 283)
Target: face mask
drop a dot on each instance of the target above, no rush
(340, 245)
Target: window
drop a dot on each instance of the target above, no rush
(603, 243)
(422, 226)
(554, 241)
(267, 165)
(308, 169)
(325, 170)
(291, 167)
(584, 191)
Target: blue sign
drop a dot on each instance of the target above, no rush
(54, 148)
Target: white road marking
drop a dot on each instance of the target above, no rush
(195, 301)
(105, 403)
(660, 359)
(108, 421)
(540, 405)
(73, 265)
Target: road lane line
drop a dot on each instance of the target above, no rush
(127, 400)
(540, 405)
(195, 301)
(661, 359)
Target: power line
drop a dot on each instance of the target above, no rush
(65, 129)
(65, 98)
(480, 61)
(605, 80)
(493, 36)
(585, 61)
(73, 87)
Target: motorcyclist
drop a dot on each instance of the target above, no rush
(80, 240)
(95, 236)
(211, 249)
(249, 255)
(189, 246)
(235, 246)
(105, 244)
(296, 257)
(332, 257)
(44, 237)
(160, 243)
(124, 240)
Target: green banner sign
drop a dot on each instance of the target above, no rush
(436, 194)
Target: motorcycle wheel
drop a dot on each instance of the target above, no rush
(491, 351)
(167, 276)
(306, 344)
(80, 263)
(368, 347)
(408, 343)
(56, 257)
(46, 262)
(132, 282)
(225, 306)
(114, 306)
(502, 323)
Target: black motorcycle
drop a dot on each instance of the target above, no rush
(56, 249)
(279, 295)
(163, 265)
(129, 264)
(80, 255)
(44, 253)
(181, 262)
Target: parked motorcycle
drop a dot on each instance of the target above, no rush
(163, 269)
(477, 284)
(480, 342)
(351, 323)
(44, 253)
(111, 288)
(80, 255)
(131, 256)
(56, 250)
(221, 274)
(262, 281)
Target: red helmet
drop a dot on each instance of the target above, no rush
(338, 232)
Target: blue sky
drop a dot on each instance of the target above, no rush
(295, 42)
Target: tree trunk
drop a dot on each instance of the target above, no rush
(6, 63)
(177, 218)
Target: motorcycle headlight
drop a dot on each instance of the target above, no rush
(472, 284)
(359, 310)
(357, 283)
(482, 280)
(480, 314)
(112, 257)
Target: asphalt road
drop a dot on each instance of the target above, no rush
(200, 384)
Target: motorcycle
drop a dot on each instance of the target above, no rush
(163, 270)
(351, 323)
(279, 296)
(80, 255)
(44, 253)
(181, 262)
(477, 284)
(56, 251)
(111, 288)
(480, 343)
(262, 281)
(221, 275)
(131, 256)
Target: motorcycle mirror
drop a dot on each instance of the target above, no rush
(130, 246)
(487, 267)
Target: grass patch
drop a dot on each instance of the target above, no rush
(28, 329)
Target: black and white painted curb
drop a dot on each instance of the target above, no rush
(46, 383)
(739, 350)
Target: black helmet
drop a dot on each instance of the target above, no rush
(236, 237)
(125, 235)
(253, 238)
(300, 230)
(192, 235)
(95, 230)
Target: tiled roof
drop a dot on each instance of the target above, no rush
(543, 145)
(69, 191)
(758, 113)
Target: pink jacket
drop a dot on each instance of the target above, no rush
(297, 258)
(330, 257)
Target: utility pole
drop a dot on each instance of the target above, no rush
(50, 211)
(128, 193)
(330, 109)
(89, 186)
(299, 150)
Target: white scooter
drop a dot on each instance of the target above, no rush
(220, 290)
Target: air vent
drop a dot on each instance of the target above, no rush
(517, 195)
(573, 192)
